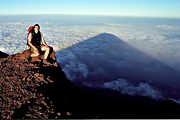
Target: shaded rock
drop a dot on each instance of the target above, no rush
(3, 55)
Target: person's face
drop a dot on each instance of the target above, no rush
(36, 28)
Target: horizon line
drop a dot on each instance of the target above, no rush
(100, 15)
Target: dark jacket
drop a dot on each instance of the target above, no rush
(36, 39)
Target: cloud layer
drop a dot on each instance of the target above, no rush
(125, 87)
(159, 39)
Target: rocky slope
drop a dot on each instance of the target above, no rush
(22, 82)
(31, 89)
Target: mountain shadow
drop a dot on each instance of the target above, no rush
(105, 58)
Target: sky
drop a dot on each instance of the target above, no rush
(145, 8)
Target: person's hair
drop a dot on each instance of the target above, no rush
(37, 25)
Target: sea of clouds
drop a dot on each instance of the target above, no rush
(102, 61)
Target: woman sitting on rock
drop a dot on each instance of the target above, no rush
(37, 43)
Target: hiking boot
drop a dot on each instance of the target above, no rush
(46, 62)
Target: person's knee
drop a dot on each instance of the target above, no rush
(47, 48)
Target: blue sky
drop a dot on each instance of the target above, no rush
(149, 8)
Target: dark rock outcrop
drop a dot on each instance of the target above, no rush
(31, 89)
(3, 55)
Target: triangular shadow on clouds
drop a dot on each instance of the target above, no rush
(105, 57)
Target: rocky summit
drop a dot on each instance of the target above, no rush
(23, 81)
(31, 89)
